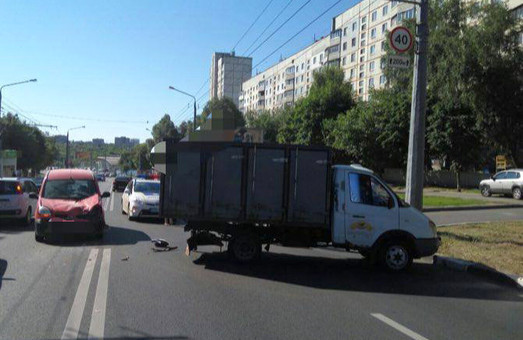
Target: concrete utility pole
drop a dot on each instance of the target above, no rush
(194, 98)
(416, 155)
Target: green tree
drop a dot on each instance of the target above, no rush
(165, 128)
(222, 107)
(34, 152)
(329, 96)
(269, 122)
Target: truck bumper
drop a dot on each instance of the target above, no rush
(427, 246)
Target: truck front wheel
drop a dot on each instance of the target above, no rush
(396, 255)
(244, 248)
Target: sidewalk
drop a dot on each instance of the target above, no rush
(494, 199)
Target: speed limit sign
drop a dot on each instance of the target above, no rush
(400, 39)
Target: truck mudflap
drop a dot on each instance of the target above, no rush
(202, 238)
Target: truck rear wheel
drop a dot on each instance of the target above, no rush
(244, 248)
(396, 255)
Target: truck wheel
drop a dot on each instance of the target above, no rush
(245, 248)
(396, 255)
(516, 193)
(485, 191)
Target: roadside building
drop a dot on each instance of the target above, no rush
(227, 74)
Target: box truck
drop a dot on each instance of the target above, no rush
(250, 195)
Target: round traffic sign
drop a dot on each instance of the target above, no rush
(400, 39)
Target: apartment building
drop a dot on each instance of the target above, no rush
(285, 82)
(228, 72)
(356, 44)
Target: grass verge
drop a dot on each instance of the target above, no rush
(442, 201)
(497, 244)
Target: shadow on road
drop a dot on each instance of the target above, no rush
(3, 268)
(13, 227)
(359, 275)
(113, 236)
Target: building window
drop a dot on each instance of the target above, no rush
(374, 16)
(364, 19)
(352, 73)
(385, 10)
(363, 35)
(352, 57)
(360, 91)
(321, 57)
(372, 49)
(362, 43)
(383, 28)
(313, 61)
(371, 66)
(354, 25)
(373, 33)
(363, 27)
(371, 83)
(383, 79)
(362, 51)
(383, 45)
(345, 32)
(362, 67)
(353, 42)
(344, 61)
(362, 59)
(344, 46)
(393, 4)
(362, 74)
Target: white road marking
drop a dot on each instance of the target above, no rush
(96, 329)
(112, 201)
(74, 320)
(398, 327)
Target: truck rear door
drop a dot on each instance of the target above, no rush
(370, 209)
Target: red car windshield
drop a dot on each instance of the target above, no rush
(76, 189)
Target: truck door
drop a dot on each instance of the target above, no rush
(370, 209)
(338, 207)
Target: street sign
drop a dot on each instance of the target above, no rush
(398, 61)
(400, 39)
(501, 162)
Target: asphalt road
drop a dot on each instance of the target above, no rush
(118, 288)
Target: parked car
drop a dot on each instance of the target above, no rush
(18, 197)
(100, 177)
(120, 182)
(70, 203)
(504, 183)
(141, 198)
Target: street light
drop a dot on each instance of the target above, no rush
(194, 98)
(67, 145)
(1, 129)
(13, 84)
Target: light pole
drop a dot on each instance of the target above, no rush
(1, 128)
(67, 145)
(194, 98)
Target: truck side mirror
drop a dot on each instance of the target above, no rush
(390, 203)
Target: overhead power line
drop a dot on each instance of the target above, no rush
(254, 22)
(295, 35)
(267, 27)
(279, 27)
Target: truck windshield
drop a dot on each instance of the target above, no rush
(147, 187)
(76, 189)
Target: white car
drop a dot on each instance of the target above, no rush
(509, 182)
(141, 198)
(18, 198)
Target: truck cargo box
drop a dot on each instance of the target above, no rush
(246, 183)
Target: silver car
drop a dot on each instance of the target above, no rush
(505, 183)
(18, 197)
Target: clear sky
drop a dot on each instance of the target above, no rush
(107, 64)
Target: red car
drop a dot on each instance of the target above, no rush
(70, 203)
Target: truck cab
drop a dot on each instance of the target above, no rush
(369, 217)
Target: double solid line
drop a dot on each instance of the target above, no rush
(97, 325)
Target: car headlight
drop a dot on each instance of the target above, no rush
(43, 212)
(136, 201)
(433, 227)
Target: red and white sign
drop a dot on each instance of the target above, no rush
(401, 39)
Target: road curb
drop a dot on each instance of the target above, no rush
(472, 207)
(479, 269)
